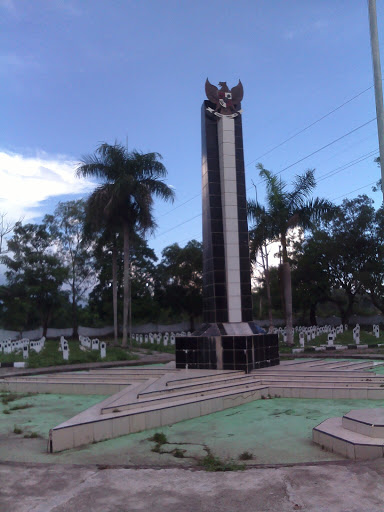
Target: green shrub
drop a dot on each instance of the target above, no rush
(246, 456)
(159, 438)
(212, 463)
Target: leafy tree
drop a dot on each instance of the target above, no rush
(260, 237)
(285, 211)
(6, 228)
(372, 275)
(310, 279)
(180, 279)
(343, 251)
(35, 274)
(143, 272)
(106, 253)
(126, 196)
(67, 226)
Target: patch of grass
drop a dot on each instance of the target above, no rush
(11, 397)
(31, 435)
(246, 456)
(159, 438)
(51, 356)
(157, 347)
(178, 453)
(17, 430)
(212, 463)
(19, 407)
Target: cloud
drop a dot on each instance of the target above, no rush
(28, 181)
(12, 63)
(317, 26)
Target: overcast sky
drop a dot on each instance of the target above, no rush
(77, 73)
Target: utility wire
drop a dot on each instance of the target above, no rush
(328, 174)
(356, 189)
(347, 165)
(180, 205)
(309, 126)
(281, 143)
(327, 145)
(320, 149)
(178, 225)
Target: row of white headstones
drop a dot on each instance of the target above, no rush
(157, 338)
(312, 332)
(24, 345)
(85, 344)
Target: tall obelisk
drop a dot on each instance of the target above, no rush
(228, 339)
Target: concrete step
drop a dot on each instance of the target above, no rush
(203, 378)
(327, 382)
(100, 427)
(219, 390)
(195, 386)
(367, 422)
(331, 435)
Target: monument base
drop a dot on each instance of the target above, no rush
(237, 346)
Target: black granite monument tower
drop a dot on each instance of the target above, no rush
(228, 339)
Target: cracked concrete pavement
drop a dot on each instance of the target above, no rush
(349, 487)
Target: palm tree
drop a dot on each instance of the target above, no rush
(285, 210)
(260, 236)
(130, 180)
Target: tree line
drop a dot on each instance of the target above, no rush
(89, 262)
(91, 256)
(331, 257)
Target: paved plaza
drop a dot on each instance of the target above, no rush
(347, 487)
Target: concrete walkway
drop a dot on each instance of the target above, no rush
(346, 487)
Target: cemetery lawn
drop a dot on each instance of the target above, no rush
(273, 431)
(51, 356)
(155, 347)
(346, 338)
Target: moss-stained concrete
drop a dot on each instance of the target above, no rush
(275, 431)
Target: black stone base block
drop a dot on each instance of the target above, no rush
(244, 353)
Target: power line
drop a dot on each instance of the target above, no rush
(356, 189)
(178, 225)
(281, 143)
(310, 125)
(329, 174)
(280, 172)
(347, 165)
(180, 205)
(327, 145)
(320, 149)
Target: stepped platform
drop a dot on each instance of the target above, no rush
(358, 435)
(145, 398)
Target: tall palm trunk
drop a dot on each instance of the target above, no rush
(75, 327)
(114, 289)
(269, 299)
(287, 290)
(126, 283)
(264, 259)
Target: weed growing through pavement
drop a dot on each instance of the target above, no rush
(159, 438)
(19, 407)
(246, 456)
(213, 463)
(31, 435)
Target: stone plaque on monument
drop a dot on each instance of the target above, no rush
(228, 339)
